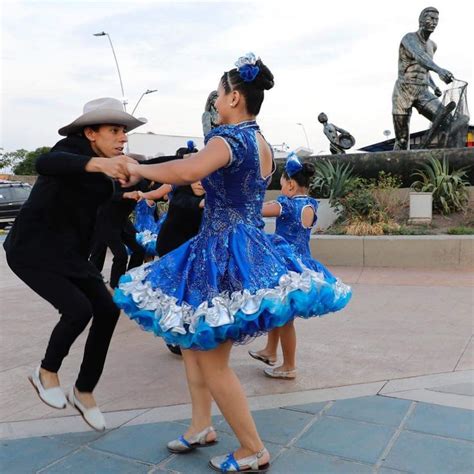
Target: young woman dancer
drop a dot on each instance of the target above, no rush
(228, 283)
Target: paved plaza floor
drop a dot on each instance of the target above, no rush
(384, 386)
(370, 434)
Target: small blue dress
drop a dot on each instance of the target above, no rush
(229, 282)
(147, 227)
(289, 225)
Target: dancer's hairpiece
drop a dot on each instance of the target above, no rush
(293, 164)
(246, 65)
(191, 146)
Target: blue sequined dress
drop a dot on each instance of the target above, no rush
(289, 225)
(230, 282)
(147, 227)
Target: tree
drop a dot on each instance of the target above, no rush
(11, 158)
(27, 165)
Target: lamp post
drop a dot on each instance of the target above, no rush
(124, 102)
(148, 91)
(305, 134)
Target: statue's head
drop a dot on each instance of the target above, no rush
(322, 117)
(428, 19)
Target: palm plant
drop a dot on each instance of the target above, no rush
(332, 181)
(449, 188)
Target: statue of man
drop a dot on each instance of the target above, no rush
(339, 139)
(412, 88)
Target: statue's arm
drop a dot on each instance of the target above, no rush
(341, 130)
(413, 46)
(432, 84)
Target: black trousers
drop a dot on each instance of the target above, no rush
(118, 241)
(78, 300)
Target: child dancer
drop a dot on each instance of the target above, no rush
(296, 216)
(147, 226)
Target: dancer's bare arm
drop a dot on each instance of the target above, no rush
(213, 156)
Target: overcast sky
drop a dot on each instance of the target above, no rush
(339, 57)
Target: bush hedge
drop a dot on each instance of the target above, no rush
(397, 163)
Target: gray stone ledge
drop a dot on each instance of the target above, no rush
(432, 251)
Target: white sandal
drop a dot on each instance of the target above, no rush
(280, 374)
(228, 463)
(182, 445)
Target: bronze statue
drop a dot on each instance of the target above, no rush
(339, 139)
(209, 117)
(412, 88)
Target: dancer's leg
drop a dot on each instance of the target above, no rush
(288, 346)
(104, 320)
(120, 259)
(201, 398)
(74, 308)
(227, 391)
(270, 350)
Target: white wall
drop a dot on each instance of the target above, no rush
(150, 144)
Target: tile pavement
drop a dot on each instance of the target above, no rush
(372, 434)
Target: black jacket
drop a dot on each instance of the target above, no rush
(182, 221)
(55, 225)
(113, 215)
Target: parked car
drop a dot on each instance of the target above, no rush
(12, 196)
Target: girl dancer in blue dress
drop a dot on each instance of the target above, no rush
(296, 216)
(147, 226)
(229, 283)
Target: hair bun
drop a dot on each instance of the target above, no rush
(309, 169)
(264, 79)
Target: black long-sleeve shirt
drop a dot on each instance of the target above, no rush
(182, 221)
(55, 226)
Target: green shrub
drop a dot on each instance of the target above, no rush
(449, 188)
(461, 230)
(332, 181)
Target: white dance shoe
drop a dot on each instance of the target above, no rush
(54, 396)
(92, 416)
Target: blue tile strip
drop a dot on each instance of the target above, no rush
(363, 435)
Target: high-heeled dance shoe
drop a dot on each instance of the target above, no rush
(199, 440)
(92, 416)
(54, 396)
(228, 463)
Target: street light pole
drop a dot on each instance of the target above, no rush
(306, 136)
(124, 102)
(148, 91)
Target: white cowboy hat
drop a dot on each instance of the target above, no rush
(102, 111)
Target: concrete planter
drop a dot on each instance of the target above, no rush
(270, 223)
(327, 215)
(421, 208)
(399, 251)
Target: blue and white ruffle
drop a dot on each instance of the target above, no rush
(237, 316)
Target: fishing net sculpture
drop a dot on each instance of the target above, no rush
(450, 125)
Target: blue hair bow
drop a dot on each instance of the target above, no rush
(246, 65)
(293, 164)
